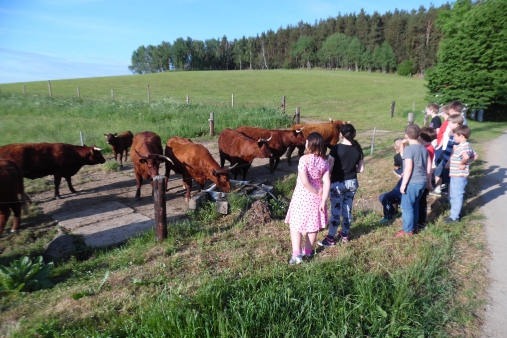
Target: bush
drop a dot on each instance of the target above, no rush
(406, 68)
(23, 275)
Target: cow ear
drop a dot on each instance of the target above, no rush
(214, 172)
(142, 161)
(115, 134)
(105, 135)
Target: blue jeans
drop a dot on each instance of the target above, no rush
(388, 199)
(410, 205)
(457, 192)
(342, 198)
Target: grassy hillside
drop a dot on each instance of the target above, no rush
(319, 94)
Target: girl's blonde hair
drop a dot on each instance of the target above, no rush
(315, 144)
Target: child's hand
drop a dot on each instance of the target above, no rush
(447, 165)
(462, 166)
(319, 192)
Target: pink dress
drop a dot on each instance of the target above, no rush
(303, 214)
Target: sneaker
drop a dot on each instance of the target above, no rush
(402, 233)
(421, 227)
(449, 220)
(384, 221)
(327, 242)
(310, 255)
(296, 260)
(343, 239)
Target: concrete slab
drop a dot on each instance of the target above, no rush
(114, 231)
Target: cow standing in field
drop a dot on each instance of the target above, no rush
(279, 142)
(120, 144)
(194, 161)
(12, 194)
(37, 160)
(146, 155)
(240, 150)
(330, 131)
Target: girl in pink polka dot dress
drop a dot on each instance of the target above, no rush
(307, 212)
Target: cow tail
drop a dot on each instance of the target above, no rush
(26, 201)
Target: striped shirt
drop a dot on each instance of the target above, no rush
(448, 149)
(457, 157)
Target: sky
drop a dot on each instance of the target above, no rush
(44, 40)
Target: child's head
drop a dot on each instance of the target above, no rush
(315, 144)
(428, 134)
(412, 132)
(454, 121)
(462, 133)
(432, 109)
(455, 107)
(397, 144)
(444, 111)
(349, 133)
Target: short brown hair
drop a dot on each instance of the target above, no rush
(412, 131)
(456, 118)
(433, 107)
(428, 134)
(315, 144)
(456, 106)
(445, 109)
(463, 130)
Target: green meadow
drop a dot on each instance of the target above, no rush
(219, 276)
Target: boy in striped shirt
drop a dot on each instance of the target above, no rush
(462, 155)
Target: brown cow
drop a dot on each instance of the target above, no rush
(146, 154)
(120, 144)
(37, 160)
(11, 183)
(240, 150)
(194, 161)
(279, 142)
(330, 131)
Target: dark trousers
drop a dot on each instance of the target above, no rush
(423, 207)
(388, 199)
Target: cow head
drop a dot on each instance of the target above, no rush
(152, 162)
(95, 156)
(223, 177)
(110, 137)
(298, 138)
(264, 148)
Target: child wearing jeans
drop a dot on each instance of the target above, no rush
(416, 177)
(462, 155)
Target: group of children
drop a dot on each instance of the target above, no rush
(439, 153)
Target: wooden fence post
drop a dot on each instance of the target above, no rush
(112, 94)
(392, 109)
(212, 124)
(50, 91)
(188, 99)
(148, 93)
(232, 100)
(160, 208)
(410, 118)
(296, 115)
(283, 104)
(373, 141)
(24, 90)
(78, 93)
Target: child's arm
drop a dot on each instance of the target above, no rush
(330, 160)
(464, 160)
(429, 169)
(408, 165)
(326, 180)
(360, 166)
(303, 176)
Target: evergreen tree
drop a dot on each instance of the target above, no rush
(472, 60)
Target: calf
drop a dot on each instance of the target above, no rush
(240, 150)
(280, 141)
(330, 131)
(146, 155)
(194, 161)
(12, 188)
(120, 144)
(37, 160)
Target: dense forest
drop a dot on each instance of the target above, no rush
(399, 41)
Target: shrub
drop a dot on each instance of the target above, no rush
(23, 275)
(406, 68)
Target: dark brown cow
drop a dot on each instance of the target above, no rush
(330, 131)
(279, 142)
(195, 161)
(240, 150)
(120, 144)
(12, 194)
(146, 155)
(37, 160)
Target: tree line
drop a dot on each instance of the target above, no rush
(402, 41)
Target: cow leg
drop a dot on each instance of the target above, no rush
(245, 169)
(5, 212)
(139, 182)
(301, 150)
(290, 149)
(16, 208)
(273, 163)
(69, 183)
(58, 180)
(187, 183)
(121, 159)
(222, 160)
